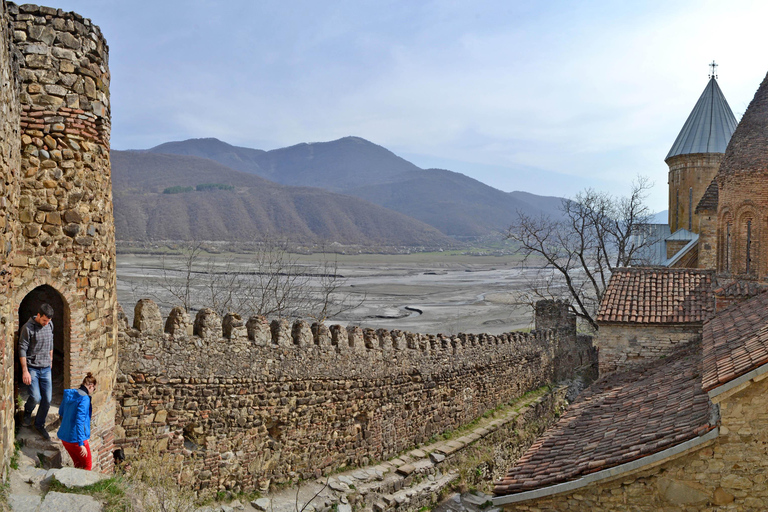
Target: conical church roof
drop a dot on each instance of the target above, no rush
(748, 150)
(709, 127)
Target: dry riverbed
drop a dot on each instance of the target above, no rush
(422, 292)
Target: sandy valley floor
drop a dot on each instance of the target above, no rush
(451, 293)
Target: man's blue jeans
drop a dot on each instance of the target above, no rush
(40, 391)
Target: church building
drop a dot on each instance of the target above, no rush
(677, 420)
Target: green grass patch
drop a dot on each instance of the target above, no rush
(111, 492)
(516, 405)
(15, 457)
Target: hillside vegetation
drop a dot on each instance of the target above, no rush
(252, 209)
(455, 204)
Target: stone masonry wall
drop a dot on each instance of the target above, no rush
(246, 404)
(58, 198)
(621, 345)
(9, 230)
(729, 473)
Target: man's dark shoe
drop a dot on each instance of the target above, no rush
(43, 432)
(27, 421)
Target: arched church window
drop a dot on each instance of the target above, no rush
(690, 209)
(727, 247)
(749, 247)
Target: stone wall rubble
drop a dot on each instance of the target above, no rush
(247, 404)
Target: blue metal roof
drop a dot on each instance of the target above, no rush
(709, 127)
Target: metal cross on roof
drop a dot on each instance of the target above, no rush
(713, 65)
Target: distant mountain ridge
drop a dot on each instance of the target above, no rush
(255, 208)
(455, 204)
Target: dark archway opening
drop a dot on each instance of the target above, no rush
(28, 309)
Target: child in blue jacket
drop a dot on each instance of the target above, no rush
(75, 430)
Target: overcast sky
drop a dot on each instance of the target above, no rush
(543, 96)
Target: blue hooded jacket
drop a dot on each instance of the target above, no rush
(75, 412)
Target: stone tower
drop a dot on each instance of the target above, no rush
(693, 163)
(743, 195)
(56, 223)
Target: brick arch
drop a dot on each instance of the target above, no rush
(27, 308)
(746, 241)
(71, 317)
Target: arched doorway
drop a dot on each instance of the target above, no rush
(28, 309)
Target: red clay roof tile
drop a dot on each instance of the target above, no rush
(657, 295)
(735, 341)
(620, 418)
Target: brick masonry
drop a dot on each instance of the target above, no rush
(57, 223)
(249, 404)
(689, 172)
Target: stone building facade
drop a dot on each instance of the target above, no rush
(647, 313)
(686, 432)
(56, 221)
(693, 161)
(689, 177)
(248, 404)
(679, 459)
(742, 220)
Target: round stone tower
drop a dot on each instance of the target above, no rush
(696, 154)
(742, 213)
(58, 229)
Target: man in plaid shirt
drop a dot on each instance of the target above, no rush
(36, 358)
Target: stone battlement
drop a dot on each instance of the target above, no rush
(247, 403)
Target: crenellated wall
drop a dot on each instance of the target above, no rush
(247, 404)
(56, 221)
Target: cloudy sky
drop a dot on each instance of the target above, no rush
(547, 97)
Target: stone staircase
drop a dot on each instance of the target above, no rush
(29, 484)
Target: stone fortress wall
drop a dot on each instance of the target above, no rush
(56, 222)
(10, 158)
(247, 404)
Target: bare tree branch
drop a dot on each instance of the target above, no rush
(595, 234)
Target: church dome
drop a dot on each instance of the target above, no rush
(709, 126)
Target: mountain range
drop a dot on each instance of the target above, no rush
(349, 190)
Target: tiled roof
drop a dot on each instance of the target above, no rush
(708, 201)
(657, 295)
(620, 418)
(735, 341)
(741, 289)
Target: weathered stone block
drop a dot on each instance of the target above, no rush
(147, 318)
(234, 327)
(207, 324)
(178, 322)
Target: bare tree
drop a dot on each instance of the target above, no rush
(270, 281)
(181, 284)
(595, 234)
